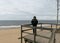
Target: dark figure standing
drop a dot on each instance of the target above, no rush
(34, 23)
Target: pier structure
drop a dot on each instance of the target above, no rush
(40, 36)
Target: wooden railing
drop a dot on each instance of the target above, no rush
(53, 30)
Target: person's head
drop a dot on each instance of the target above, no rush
(34, 17)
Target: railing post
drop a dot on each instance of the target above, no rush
(53, 40)
(41, 27)
(54, 36)
(51, 27)
(35, 35)
(21, 33)
(51, 35)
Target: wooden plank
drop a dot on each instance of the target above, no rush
(26, 30)
(38, 35)
(38, 39)
(44, 28)
(44, 33)
(21, 34)
(42, 37)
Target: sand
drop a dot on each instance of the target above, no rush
(11, 35)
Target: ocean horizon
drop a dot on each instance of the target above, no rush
(20, 22)
(4, 24)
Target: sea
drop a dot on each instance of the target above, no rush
(14, 23)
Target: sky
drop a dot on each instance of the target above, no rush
(26, 9)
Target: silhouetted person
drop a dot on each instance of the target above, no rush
(34, 23)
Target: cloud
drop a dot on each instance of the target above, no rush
(18, 9)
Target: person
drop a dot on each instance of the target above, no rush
(34, 23)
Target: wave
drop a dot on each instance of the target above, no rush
(10, 26)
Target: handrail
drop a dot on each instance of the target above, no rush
(40, 23)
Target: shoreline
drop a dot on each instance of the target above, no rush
(9, 27)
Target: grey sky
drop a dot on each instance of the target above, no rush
(26, 9)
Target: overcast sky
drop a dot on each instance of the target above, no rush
(26, 9)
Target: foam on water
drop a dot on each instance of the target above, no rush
(9, 26)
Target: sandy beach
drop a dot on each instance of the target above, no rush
(11, 35)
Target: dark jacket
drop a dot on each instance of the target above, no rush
(34, 22)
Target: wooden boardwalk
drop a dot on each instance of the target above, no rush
(40, 37)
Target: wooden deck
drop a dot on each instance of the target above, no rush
(42, 38)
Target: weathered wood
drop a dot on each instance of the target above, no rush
(40, 38)
(30, 38)
(44, 39)
(41, 34)
(27, 30)
(44, 28)
(21, 33)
